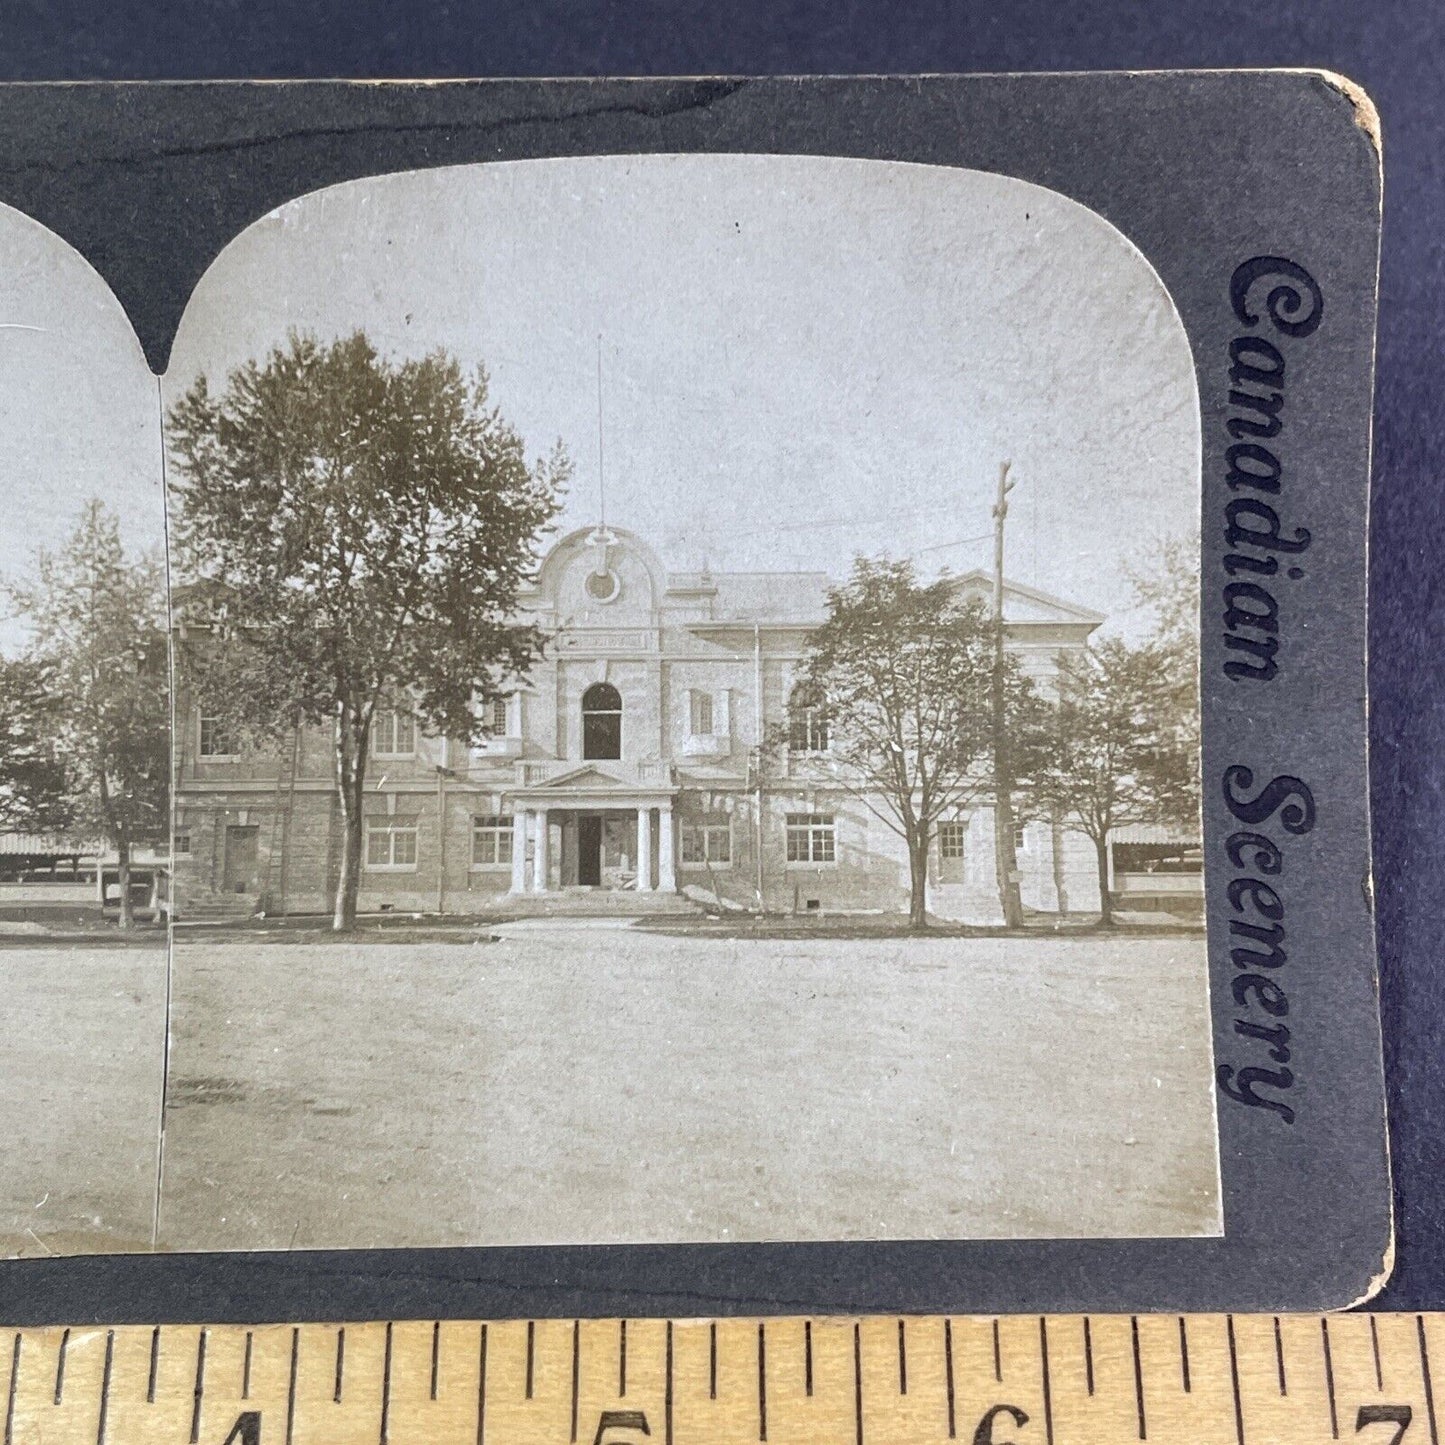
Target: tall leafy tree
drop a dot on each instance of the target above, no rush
(355, 531)
(35, 786)
(1109, 757)
(98, 621)
(902, 673)
(1170, 592)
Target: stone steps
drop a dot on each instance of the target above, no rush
(594, 903)
(208, 907)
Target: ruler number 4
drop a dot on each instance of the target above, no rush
(1397, 1415)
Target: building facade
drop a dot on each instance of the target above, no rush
(660, 748)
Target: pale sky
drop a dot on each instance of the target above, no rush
(802, 358)
(79, 414)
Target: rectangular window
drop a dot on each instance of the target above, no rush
(497, 723)
(391, 843)
(393, 735)
(216, 740)
(1021, 841)
(951, 838)
(708, 841)
(492, 841)
(701, 714)
(181, 845)
(811, 838)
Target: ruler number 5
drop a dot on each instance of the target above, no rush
(1397, 1415)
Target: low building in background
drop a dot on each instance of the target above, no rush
(662, 750)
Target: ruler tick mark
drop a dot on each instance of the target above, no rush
(948, 1372)
(622, 1359)
(245, 1369)
(105, 1387)
(1138, 1375)
(1184, 1354)
(1425, 1377)
(531, 1353)
(10, 1393)
(576, 1369)
(340, 1363)
(155, 1363)
(1375, 1350)
(1234, 1380)
(762, 1383)
(1279, 1356)
(291, 1388)
(858, 1386)
(667, 1390)
(997, 1356)
(1088, 1355)
(60, 1367)
(902, 1360)
(436, 1351)
(808, 1357)
(482, 1387)
(712, 1361)
(385, 1430)
(1048, 1387)
(1330, 1378)
(200, 1388)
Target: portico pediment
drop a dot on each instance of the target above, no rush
(589, 777)
(591, 785)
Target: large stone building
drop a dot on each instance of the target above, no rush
(637, 758)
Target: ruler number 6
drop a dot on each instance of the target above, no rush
(1397, 1415)
(984, 1434)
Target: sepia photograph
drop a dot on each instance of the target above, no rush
(85, 751)
(686, 717)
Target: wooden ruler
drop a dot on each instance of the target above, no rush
(1019, 1380)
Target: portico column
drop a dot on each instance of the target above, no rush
(666, 873)
(644, 850)
(539, 853)
(519, 851)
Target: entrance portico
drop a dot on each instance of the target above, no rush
(592, 831)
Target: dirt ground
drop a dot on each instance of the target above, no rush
(80, 1094)
(583, 1081)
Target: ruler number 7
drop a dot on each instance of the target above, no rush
(1396, 1415)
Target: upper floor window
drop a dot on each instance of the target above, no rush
(393, 735)
(601, 721)
(951, 839)
(216, 739)
(497, 717)
(807, 721)
(702, 714)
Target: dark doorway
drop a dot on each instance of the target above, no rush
(243, 869)
(601, 721)
(589, 850)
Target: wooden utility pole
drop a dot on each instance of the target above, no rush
(1005, 859)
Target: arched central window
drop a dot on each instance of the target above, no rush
(807, 721)
(601, 721)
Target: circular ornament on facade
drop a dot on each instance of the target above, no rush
(603, 586)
